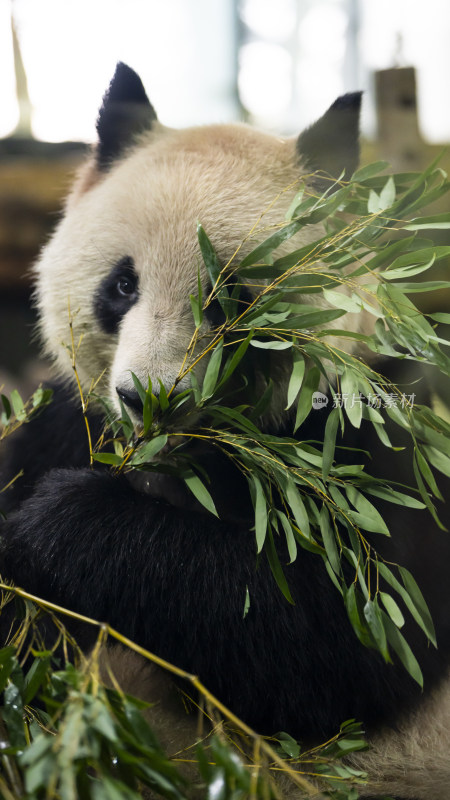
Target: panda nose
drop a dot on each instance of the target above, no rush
(131, 399)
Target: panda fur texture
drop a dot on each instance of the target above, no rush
(125, 256)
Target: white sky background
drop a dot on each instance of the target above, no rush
(70, 49)
(292, 68)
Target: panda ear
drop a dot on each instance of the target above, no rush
(126, 111)
(331, 144)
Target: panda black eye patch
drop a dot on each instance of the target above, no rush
(117, 293)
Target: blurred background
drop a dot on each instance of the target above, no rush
(275, 63)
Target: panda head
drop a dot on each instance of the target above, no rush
(125, 257)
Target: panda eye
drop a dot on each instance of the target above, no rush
(126, 286)
(116, 295)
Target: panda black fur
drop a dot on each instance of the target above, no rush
(156, 567)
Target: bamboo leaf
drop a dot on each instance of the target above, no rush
(369, 518)
(108, 458)
(364, 173)
(199, 490)
(148, 450)
(163, 399)
(276, 567)
(197, 310)
(18, 405)
(419, 602)
(329, 441)
(209, 255)
(298, 509)
(296, 379)
(270, 344)
(212, 371)
(309, 386)
(329, 541)
(374, 618)
(261, 513)
(289, 533)
(235, 359)
(387, 194)
(438, 221)
(402, 648)
(351, 304)
(351, 604)
(392, 609)
(423, 620)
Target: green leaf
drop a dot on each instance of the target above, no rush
(209, 255)
(369, 171)
(392, 609)
(296, 379)
(402, 648)
(329, 441)
(367, 523)
(393, 496)
(427, 474)
(148, 450)
(309, 386)
(13, 715)
(373, 615)
(423, 286)
(199, 490)
(8, 662)
(329, 541)
(351, 397)
(261, 513)
(387, 194)
(41, 397)
(300, 322)
(352, 304)
(18, 405)
(276, 567)
(368, 517)
(374, 203)
(212, 370)
(274, 241)
(6, 406)
(297, 200)
(436, 221)
(197, 310)
(438, 460)
(419, 602)
(351, 604)
(163, 399)
(235, 359)
(108, 458)
(288, 744)
(139, 387)
(261, 308)
(35, 677)
(298, 508)
(424, 494)
(438, 317)
(147, 410)
(423, 620)
(289, 533)
(247, 603)
(270, 344)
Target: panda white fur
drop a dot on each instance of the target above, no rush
(125, 256)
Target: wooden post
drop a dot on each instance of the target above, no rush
(398, 130)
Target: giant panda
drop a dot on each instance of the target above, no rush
(142, 555)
